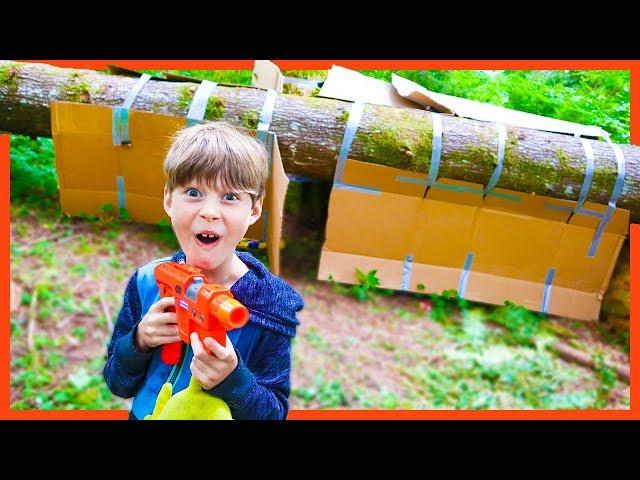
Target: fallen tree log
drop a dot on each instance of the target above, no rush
(310, 130)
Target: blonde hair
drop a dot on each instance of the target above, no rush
(219, 154)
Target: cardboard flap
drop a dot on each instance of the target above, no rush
(267, 75)
(269, 226)
(345, 84)
(473, 109)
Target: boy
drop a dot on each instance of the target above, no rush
(216, 178)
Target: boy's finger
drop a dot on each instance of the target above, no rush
(167, 330)
(215, 348)
(164, 303)
(168, 339)
(168, 318)
(196, 345)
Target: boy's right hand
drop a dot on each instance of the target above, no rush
(157, 327)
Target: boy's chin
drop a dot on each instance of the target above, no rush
(206, 264)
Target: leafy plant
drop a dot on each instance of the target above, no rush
(33, 176)
(521, 323)
(445, 306)
(324, 394)
(368, 283)
(607, 380)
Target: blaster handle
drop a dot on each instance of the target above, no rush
(171, 352)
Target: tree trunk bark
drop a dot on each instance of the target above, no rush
(310, 131)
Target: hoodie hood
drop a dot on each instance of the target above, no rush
(272, 302)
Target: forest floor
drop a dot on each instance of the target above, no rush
(390, 351)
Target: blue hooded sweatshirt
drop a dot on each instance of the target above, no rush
(259, 386)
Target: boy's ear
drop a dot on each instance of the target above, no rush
(167, 201)
(256, 211)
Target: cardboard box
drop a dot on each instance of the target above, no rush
(508, 246)
(93, 173)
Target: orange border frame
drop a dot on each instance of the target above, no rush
(633, 413)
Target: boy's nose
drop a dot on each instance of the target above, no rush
(210, 211)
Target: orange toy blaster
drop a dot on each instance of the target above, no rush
(206, 308)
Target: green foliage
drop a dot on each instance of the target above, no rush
(323, 394)
(590, 97)
(82, 391)
(33, 176)
(368, 283)
(236, 77)
(367, 288)
(446, 306)
(164, 234)
(607, 380)
(315, 339)
(521, 323)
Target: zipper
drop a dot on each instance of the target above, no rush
(177, 368)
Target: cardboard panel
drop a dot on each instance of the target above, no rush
(515, 238)
(387, 179)
(372, 225)
(514, 243)
(515, 246)
(342, 267)
(89, 165)
(141, 162)
(85, 202)
(444, 233)
(574, 268)
(145, 209)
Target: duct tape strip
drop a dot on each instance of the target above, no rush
(546, 295)
(464, 275)
(434, 166)
(615, 194)
(456, 188)
(356, 188)
(266, 114)
(588, 176)
(495, 176)
(406, 272)
(120, 115)
(355, 114)
(122, 199)
(436, 150)
(198, 105)
(582, 211)
(584, 190)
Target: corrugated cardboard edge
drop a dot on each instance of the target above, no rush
(279, 185)
(339, 266)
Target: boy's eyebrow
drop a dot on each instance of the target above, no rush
(225, 188)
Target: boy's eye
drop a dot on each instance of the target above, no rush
(231, 196)
(193, 192)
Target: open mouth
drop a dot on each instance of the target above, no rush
(207, 238)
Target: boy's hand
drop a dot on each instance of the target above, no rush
(158, 327)
(212, 369)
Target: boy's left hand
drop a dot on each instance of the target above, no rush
(212, 369)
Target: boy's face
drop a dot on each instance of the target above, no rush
(209, 222)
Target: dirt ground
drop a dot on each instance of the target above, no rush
(388, 352)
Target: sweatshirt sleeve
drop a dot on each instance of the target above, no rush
(260, 390)
(126, 366)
